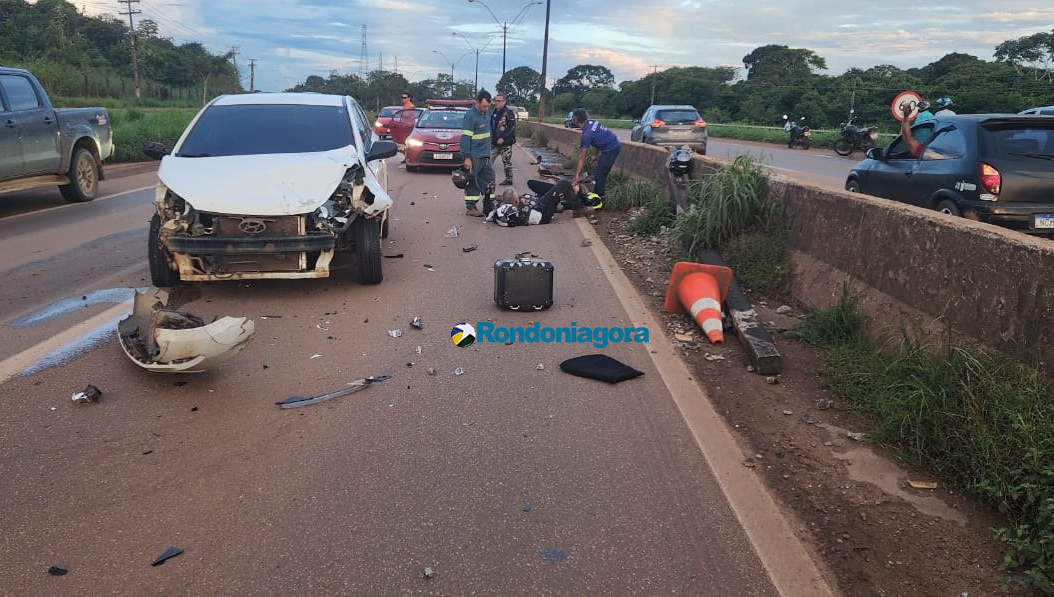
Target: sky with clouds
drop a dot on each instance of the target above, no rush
(292, 39)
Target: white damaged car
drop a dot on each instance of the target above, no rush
(270, 185)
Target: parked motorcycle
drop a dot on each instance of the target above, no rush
(855, 138)
(799, 133)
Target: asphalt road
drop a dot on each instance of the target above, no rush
(513, 478)
(816, 166)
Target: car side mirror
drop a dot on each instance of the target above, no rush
(875, 153)
(381, 150)
(155, 150)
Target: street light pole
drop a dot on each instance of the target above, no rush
(505, 26)
(545, 58)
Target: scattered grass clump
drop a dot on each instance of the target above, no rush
(727, 204)
(134, 128)
(978, 419)
(539, 138)
(761, 261)
(658, 212)
(630, 194)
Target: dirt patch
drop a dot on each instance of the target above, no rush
(875, 532)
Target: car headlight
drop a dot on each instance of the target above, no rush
(415, 142)
(378, 123)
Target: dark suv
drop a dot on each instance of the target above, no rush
(996, 168)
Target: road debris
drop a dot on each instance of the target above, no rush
(417, 324)
(459, 371)
(319, 326)
(56, 571)
(856, 435)
(316, 356)
(89, 395)
(350, 388)
(165, 341)
(772, 380)
(540, 367)
(432, 371)
(418, 350)
(824, 403)
(429, 267)
(527, 508)
(553, 556)
(396, 256)
(788, 413)
(453, 233)
(395, 333)
(783, 310)
(923, 484)
(469, 248)
(170, 553)
(683, 337)
(586, 242)
(713, 357)
(429, 573)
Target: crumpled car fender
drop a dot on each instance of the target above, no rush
(166, 341)
(381, 200)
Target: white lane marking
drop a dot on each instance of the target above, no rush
(27, 358)
(787, 563)
(96, 200)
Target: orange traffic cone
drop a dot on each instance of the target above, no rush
(699, 289)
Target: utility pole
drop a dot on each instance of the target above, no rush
(252, 75)
(380, 60)
(132, 37)
(362, 55)
(654, 77)
(852, 98)
(545, 59)
(235, 50)
(396, 65)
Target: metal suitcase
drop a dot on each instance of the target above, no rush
(523, 283)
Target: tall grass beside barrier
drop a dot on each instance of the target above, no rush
(134, 128)
(979, 420)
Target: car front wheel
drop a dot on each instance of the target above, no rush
(161, 273)
(949, 207)
(368, 248)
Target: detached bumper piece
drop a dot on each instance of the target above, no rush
(166, 341)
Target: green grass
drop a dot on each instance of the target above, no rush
(134, 128)
(625, 194)
(979, 420)
(539, 138)
(761, 261)
(111, 103)
(658, 212)
(727, 204)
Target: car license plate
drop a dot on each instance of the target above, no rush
(1043, 221)
(443, 156)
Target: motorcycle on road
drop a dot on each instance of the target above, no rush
(854, 138)
(799, 133)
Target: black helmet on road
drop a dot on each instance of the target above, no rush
(460, 177)
(680, 163)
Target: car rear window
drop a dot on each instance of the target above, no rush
(1018, 140)
(388, 111)
(677, 116)
(256, 129)
(442, 119)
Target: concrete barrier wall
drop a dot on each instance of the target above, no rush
(914, 269)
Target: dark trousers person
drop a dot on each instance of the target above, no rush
(480, 186)
(605, 160)
(552, 195)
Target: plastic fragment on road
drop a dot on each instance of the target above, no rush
(453, 233)
(88, 396)
(922, 484)
(469, 248)
(316, 356)
(429, 573)
(459, 371)
(351, 388)
(170, 553)
(57, 571)
(165, 341)
(429, 267)
(396, 256)
(395, 333)
(417, 324)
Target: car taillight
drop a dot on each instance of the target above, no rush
(700, 123)
(991, 180)
(657, 123)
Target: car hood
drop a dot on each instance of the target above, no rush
(264, 185)
(438, 135)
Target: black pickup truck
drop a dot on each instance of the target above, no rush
(40, 145)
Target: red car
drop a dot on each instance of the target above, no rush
(431, 137)
(380, 126)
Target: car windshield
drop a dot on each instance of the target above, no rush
(254, 129)
(388, 111)
(677, 116)
(1020, 140)
(442, 119)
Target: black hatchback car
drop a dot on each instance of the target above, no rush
(996, 168)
